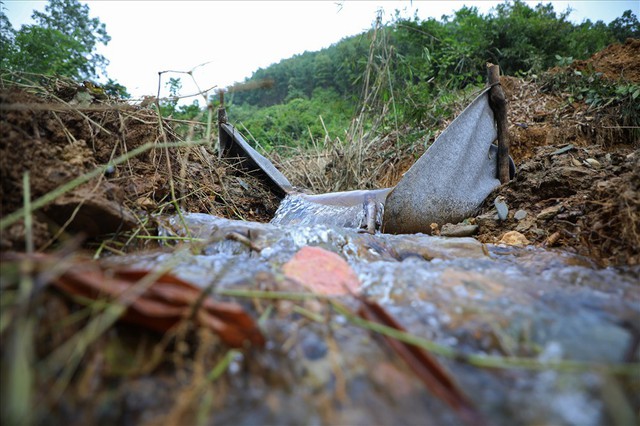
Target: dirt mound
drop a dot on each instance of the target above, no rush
(616, 62)
(578, 160)
(577, 181)
(58, 142)
(585, 200)
(578, 104)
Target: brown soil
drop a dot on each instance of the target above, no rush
(57, 142)
(585, 200)
(616, 62)
(590, 207)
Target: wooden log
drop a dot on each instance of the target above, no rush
(498, 103)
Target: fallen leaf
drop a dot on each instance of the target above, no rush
(161, 304)
(424, 365)
(322, 271)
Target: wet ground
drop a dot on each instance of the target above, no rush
(529, 335)
(493, 301)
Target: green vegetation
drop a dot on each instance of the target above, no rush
(419, 66)
(406, 73)
(621, 99)
(62, 42)
(302, 119)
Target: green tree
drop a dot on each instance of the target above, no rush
(115, 89)
(419, 65)
(7, 35)
(168, 105)
(626, 26)
(62, 42)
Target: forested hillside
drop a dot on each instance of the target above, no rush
(412, 67)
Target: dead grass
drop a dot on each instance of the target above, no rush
(370, 155)
(111, 159)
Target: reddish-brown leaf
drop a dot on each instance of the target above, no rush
(426, 367)
(160, 305)
(322, 271)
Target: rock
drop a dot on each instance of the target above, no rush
(592, 162)
(520, 214)
(526, 224)
(513, 238)
(550, 212)
(91, 212)
(501, 206)
(459, 230)
(577, 172)
(562, 150)
(487, 220)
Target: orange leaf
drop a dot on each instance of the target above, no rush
(322, 271)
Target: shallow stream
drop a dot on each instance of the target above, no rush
(501, 301)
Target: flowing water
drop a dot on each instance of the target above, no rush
(349, 209)
(478, 299)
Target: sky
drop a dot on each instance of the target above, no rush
(235, 38)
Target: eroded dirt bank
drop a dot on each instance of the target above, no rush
(578, 176)
(58, 141)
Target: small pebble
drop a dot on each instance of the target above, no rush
(562, 150)
(549, 212)
(520, 214)
(450, 230)
(513, 238)
(501, 206)
(593, 163)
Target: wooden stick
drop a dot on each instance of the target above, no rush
(224, 140)
(498, 103)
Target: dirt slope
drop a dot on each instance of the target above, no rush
(58, 141)
(578, 166)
